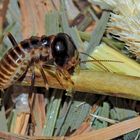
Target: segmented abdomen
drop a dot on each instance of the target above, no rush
(12, 66)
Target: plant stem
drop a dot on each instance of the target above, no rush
(97, 82)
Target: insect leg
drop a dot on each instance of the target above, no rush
(58, 77)
(69, 83)
(61, 75)
(50, 69)
(24, 74)
(66, 75)
(12, 39)
(1, 98)
(44, 77)
(31, 102)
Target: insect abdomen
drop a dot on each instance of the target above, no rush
(12, 66)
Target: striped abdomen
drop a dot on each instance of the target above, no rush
(58, 50)
(16, 61)
(12, 66)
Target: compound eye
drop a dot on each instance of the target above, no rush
(60, 50)
(45, 41)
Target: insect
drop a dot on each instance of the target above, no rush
(55, 51)
(59, 50)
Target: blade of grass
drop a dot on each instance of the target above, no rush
(52, 23)
(63, 115)
(71, 122)
(3, 121)
(120, 111)
(64, 20)
(113, 43)
(104, 112)
(52, 113)
(98, 32)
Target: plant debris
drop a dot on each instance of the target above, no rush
(104, 103)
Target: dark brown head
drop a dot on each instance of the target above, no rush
(63, 49)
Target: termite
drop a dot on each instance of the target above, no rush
(38, 51)
(58, 49)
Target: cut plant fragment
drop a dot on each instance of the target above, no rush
(124, 22)
(104, 52)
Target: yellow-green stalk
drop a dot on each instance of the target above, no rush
(126, 65)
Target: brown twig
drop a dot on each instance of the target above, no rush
(10, 136)
(3, 12)
(111, 131)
